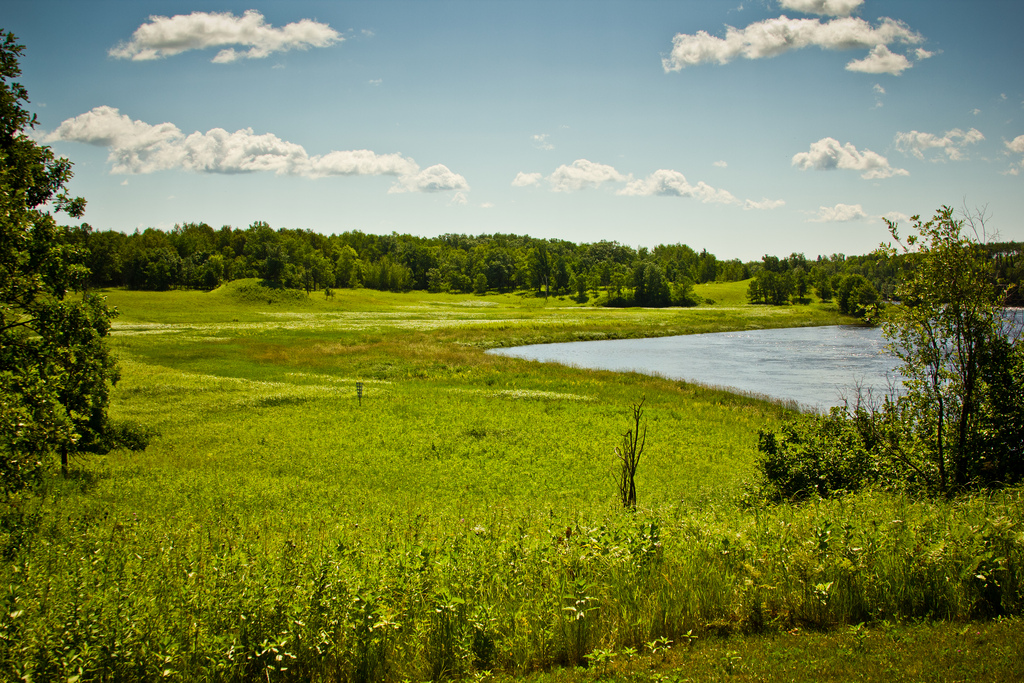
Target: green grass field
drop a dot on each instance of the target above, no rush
(462, 519)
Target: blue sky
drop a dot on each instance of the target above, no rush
(762, 126)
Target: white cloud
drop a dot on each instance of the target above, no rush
(953, 142)
(436, 178)
(879, 91)
(881, 61)
(720, 164)
(169, 36)
(835, 8)
(840, 213)
(540, 141)
(137, 147)
(526, 179)
(458, 199)
(773, 37)
(828, 154)
(487, 205)
(923, 54)
(1016, 146)
(669, 183)
(764, 204)
(582, 174)
(976, 111)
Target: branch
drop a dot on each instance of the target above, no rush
(18, 324)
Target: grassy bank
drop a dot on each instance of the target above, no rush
(461, 518)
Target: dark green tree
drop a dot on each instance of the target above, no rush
(55, 369)
(962, 370)
(855, 294)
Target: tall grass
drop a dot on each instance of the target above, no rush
(462, 518)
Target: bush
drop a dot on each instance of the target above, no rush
(820, 456)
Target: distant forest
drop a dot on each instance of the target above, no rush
(196, 256)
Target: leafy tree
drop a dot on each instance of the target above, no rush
(346, 269)
(801, 283)
(770, 286)
(480, 284)
(959, 423)
(561, 274)
(539, 264)
(55, 369)
(950, 333)
(683, 294)
(855, 294)
(651, 288)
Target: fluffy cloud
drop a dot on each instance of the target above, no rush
(953, 142)
(137, 147)
(582, 174)
(840, 213)
(436, 178)
(169, 36)
(1016, 146)
(526, 179)
(881, 61)
(764, 204)
(773, 37)
(668, 183)
(834, 8)
(828, 154)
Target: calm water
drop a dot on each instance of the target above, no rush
(815, 366)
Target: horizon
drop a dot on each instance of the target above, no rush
(796, 130)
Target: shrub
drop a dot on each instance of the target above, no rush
(820, 455)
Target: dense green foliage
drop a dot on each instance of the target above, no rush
(195, 255)
(962, 416)
(55, 370)
(958, 422)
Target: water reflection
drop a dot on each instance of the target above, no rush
(815, 366)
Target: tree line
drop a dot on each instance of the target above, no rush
(197, 256)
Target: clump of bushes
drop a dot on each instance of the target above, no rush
(820, 456)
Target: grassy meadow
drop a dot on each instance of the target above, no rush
(462, 521)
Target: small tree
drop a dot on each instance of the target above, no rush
(855, 295)
(950, 335)
(629, 454)
(480, 284)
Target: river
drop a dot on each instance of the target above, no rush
(817, 367)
